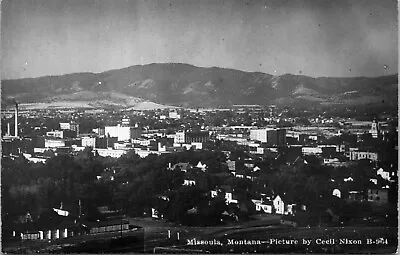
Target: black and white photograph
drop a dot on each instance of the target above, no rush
(199, 126)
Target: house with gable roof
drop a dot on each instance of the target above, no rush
(273, 204)
(228, 192)
(385, 175)
(279, 205)
(201, 166)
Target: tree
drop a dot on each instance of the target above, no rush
(181, 200)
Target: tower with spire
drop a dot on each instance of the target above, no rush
(374, 131)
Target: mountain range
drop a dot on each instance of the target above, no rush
(185, 85)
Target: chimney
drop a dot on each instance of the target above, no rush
(16, 119)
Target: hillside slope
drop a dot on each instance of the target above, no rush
(191, 86)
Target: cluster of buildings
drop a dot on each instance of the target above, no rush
(286, 145)
(116, 140)
(265, 201)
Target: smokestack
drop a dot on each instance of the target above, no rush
(16, 120)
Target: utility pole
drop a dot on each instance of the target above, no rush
(80, 209)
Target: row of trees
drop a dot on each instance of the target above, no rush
(67, 179)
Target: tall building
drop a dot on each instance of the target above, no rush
(179, 137)
(374, 131)
(123, 133)
(281, 137)
(70, 126)
(270, 136)
(259, 134)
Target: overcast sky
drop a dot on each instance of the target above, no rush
(316, 38)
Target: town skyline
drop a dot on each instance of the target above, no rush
(239, 179)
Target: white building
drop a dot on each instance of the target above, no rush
(272, 136)
(142, 142)
(264, 208)
(54, 143)
(61, 212)
(144, 153)
(174, 115)
(336, 193)
(111, 153)
(203, 167)
(179, 137)
(279, 205)
(359, 155)
(122, 146)
(34, 159)
(214, 193)
(55, 134)
(348, 179)
(311, 150)
(328, 161)
(259, 134)
(385, 175)
(229, 198)
(69, 126)
(197, 146)
(374, 131)
(39, 150)
(374, 181)
(88, 141)
(161, 148)
(123, 133)
(187, 182)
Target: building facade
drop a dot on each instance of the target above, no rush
(70, 126)
(360, 155)
(197, 137)
(270, 136)
(111, 153)
(54, 143)
(88, 141)
(179, 137)
(123, 133)
(374, 131)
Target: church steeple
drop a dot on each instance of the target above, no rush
(374, 131)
